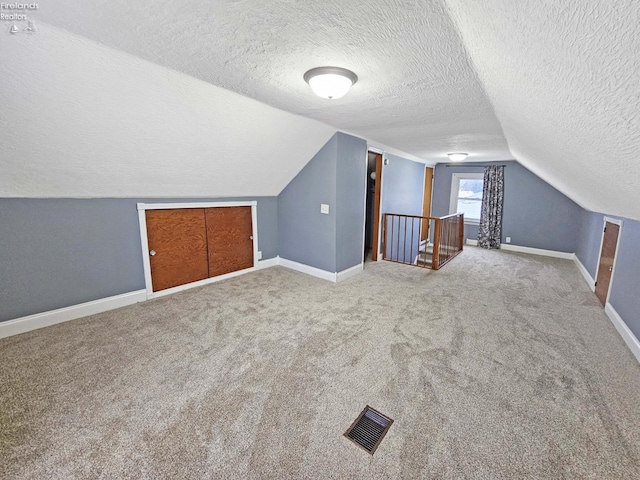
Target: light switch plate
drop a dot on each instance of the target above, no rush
(324, 208)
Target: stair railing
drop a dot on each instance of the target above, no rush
(406, 241)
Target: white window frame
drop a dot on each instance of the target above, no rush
(455, 188)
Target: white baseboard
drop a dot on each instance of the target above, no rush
(349, 272)
(536, 251)
(473, 243)
(269, 262)
(552, 253)
(45, 319)
(52, 317)
(199, 283)
(624, 331)
(318, 273)
(585, 273)
(313, 271)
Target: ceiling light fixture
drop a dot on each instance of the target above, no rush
(457, 157)
(330, 82)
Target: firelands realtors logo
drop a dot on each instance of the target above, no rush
(17, 12)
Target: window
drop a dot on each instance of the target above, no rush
(466, 195)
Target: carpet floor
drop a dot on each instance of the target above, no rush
(500, 365)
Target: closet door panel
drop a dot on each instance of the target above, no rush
(230, 239)
(177, 246)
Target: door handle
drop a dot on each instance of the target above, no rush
(611, 268)
(250, 237)
(152, 252)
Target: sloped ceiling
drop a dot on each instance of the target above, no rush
(564, 80)
(83, 120)
(417, 90)
(552, 83)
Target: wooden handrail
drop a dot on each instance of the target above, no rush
(448, 237)
(449, 216)
(420, 216)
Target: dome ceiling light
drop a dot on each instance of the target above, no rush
(330, 82)
(457, 157)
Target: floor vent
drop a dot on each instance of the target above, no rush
(368, 430)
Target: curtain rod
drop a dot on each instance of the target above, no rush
(472, 165)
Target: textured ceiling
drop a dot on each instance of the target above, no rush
(564, 79)
(417, 90)
(83, 120)
(559, 80)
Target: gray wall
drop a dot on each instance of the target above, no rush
(336, 176)
(305, 235)
(624, 292)
(588, 241)
(350, 197)
(403, 192)
(535, 214)
(56, 253)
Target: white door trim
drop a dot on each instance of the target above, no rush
(374, 150)
(144, 240)
(617, 221)
(169, 206)
(366, 193)
(379, 240)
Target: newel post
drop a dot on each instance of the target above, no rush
(436, 245)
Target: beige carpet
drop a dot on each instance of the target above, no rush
(498, 366)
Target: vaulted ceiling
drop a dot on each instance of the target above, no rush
(554, 84)
(563, 77)
(417, 89)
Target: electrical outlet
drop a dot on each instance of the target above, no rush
(508, 239)
(259, 255)
(324, 208)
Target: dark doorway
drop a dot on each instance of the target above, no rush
(374, 173)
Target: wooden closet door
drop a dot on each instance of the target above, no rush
(607, 257)
(177, 246)
(230, 239)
